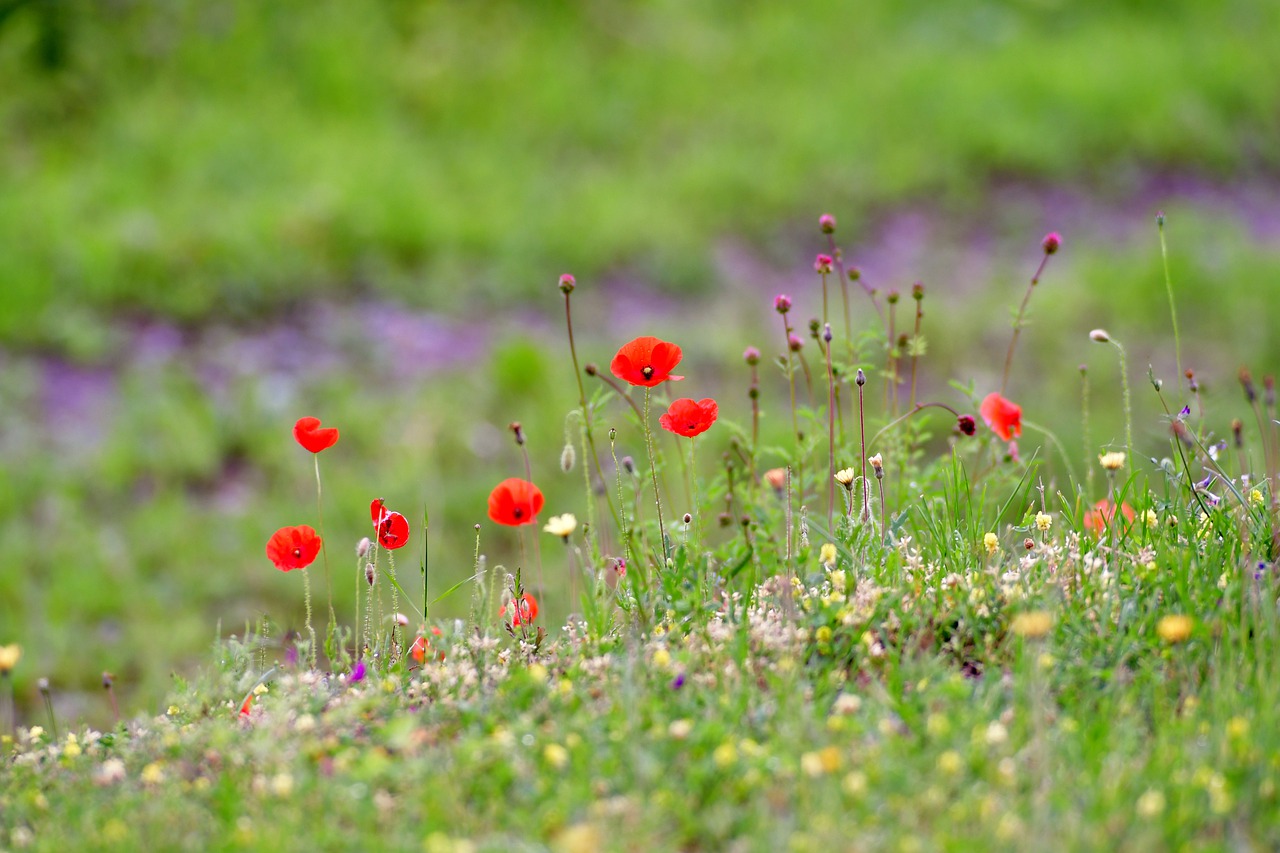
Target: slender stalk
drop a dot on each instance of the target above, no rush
(862, 429)
(919, 407)
(1017, 323)
(831, 427)
(891, 368)
(917, 293)
(586, 418)
(844, 276)
(311, 632)
(426, 573)
(791, 381)
(48, 706)
(528, 475)
(1128, 398)
(1168, 286)
(324, 553)
(1084, 428)
(653, 472)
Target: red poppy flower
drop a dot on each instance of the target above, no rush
(392, 527)
(524, 614)
(248, 704)
(514, 502)
(688, 417)
(1100, 516)
(1003, 416)
(418, 651)
(310, 435)
(646, 361)
(293, 547)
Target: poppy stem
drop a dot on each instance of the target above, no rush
(311, 632)
(324, 552)
(653, 471)
(791, 380)
(586, 420)
(1017, 321)
(1168, 286)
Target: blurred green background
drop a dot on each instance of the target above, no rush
(216, 217)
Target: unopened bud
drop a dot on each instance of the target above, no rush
(363, 546)
(782, 303)
(892, 297)
(860, 378)
(1246, 382)
(794, 342)
(822, 264)
(567, 284)
(917, 291)
(107, 680)
(1192, 384)
(1160, 217)
(1237, 432)
(518, 431)
(590, 369)
(688, 518)
(1100, 335)
(751, 356)
(613, 433)
(826, 332)
(827, 223)
(814, 325)
(725, 519)
(854, 273)
(1051, 242)
(628, 464)
(567, 457)
(370, 573)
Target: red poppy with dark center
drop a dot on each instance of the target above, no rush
(1003, 416)
(522, 615)
(293, 547)
(312, 436)
(514, 502)
(1102, 514)
(646, 361)
(392, 527)
(689, 417)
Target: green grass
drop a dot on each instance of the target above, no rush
(202, 162)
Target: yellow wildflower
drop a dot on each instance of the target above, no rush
(1112, 461)
(1175, 628)
(1043, 521)
(992, 543)
(1032, 625)
(9, 657)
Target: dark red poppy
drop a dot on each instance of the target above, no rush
(1100, 516)
(312, 436)
(689, 417)
(392, 527)
(514, 502)
(1003, 416)
(646, 361)
(522, 615)
(293, 547)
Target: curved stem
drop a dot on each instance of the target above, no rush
(1017, 323)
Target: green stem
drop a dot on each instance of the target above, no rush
(1168, 286)
(324, 553)
(653, 472)
(311, 632)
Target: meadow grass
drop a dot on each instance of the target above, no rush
(994, 651)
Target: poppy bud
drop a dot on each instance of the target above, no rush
(1051, 242)
(567, 284)
(688, 519)
(782, 303)
(827, 223)
(590, 369)
(860, 378)
(917, 291)
(1246, 382)
(966, 424)
(751, 356)
(1099, 335)
(613, 433)
(628, 465)
(370, 574)
(362, 547)
(567, 457)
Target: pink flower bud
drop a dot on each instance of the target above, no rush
(782, 303)
(822, 264)
(827, 223)
(751, 356)
(1051, 242)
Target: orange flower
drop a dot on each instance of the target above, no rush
(646, 361)
(293, 547)
(1101, 514)
(1003, 416)
(524, 614)
(418, 651)
(689, 418)
(310, 435)
(514, 502)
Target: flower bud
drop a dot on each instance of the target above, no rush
(370, 573)
(826, 332)
(854, 273)
(892, 297)
(1246, 382)
(590, 369)
(518, 431)
(567, 284)
(917, 291)
(1051, 242)
(1100, 335)
(782, 303)
(751, 356)
(822, 264)
(567, 457)
(688, 518)
(363, 546)
(794, 342)
(860, 378)
(827, 223)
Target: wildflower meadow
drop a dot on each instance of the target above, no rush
(820, 595)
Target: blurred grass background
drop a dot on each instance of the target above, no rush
(216, 217)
